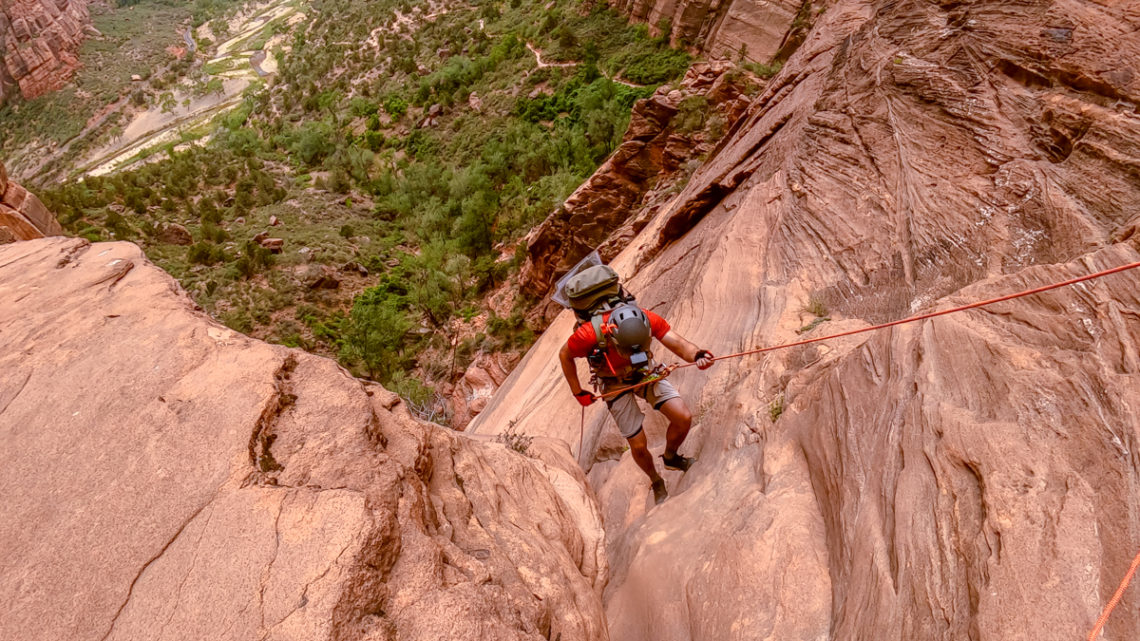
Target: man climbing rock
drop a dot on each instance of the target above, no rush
(622, 358)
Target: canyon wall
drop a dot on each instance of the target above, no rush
(970, 476)
(754, 30)
(39, 43)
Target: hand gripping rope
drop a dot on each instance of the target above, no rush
(662, 372)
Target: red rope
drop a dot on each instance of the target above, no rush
(912, 319)
(1115, 599)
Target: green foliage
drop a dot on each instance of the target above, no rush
(691, 114)
(206, 253)
(376, 330)
(652, 67)
(764, 70)
(395, 106)
(776, 408)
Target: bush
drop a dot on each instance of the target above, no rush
(653, 67)
(205, 253)
(375, 333)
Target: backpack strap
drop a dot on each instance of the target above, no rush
(599, 336)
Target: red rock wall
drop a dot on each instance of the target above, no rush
(39, 40)
(718, 28)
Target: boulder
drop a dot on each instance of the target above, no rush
(275, 245)
(173, 234)
(22, 215)
(320, 277)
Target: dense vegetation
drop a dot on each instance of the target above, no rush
(415, 143)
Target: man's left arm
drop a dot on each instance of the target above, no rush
(688, 352)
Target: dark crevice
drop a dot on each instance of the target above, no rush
(261, 440)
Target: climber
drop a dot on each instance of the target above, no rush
(622, 358)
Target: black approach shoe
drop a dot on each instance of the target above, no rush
(677, 462)
(659, 492)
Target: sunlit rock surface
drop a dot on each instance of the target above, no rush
(22, 215)
(163, 477)
(967, 477)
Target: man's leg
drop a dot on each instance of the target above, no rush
(639, 448)
(680, 420)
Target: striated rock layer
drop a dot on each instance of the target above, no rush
(754, 30)
(164, 477)
(973, 476)
(39, 40)
(22, 215)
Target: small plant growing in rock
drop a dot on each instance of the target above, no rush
(512, 439)
(816, 307)
(776, 408)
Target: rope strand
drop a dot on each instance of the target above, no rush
(1115, 599)
(911, 319)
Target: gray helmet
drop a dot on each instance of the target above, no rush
(631, 328)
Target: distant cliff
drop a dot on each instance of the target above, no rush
(39, 42)
(753, 29)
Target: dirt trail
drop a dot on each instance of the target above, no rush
(574, 63)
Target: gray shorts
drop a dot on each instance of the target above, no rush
(629, 416)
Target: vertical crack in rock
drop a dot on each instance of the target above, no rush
(261, 440)
(268, 572)
(361, 604)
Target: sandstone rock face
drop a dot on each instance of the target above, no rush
(754, 28)
(967, 477)
(164, 477)
(39, 40)
(22, 215)
(666, 132)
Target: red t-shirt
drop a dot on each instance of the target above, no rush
(583, 341)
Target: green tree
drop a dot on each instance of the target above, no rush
(376, 330)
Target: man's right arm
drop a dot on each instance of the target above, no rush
(570, 369)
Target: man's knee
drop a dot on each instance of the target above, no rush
(677, 412)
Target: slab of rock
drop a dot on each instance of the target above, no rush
(275, 245)
(967, 477)
(194, 483)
